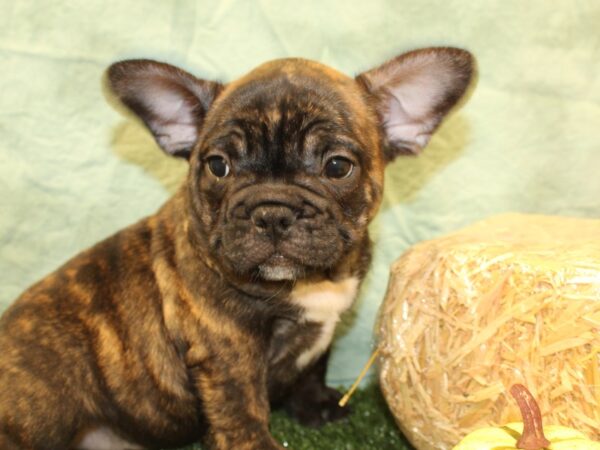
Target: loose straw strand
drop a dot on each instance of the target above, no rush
(347, 395)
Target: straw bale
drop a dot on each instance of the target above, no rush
(512, 299)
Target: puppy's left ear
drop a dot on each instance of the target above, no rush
(413, 92)
(171, 102)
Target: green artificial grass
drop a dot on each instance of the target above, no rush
(369, 427)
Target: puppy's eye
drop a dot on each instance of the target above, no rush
(218, 166)
(339, 167)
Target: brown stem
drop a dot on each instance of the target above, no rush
(533, 433)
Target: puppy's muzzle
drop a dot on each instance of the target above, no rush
(274, 207)
(280, 231)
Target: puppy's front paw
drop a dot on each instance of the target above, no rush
(318, 408)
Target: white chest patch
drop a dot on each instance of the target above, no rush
(102, 438)
(323, 303)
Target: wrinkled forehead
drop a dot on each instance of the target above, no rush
(294, 89)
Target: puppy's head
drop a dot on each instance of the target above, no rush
(286, 163)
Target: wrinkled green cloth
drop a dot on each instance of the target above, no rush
(73, 170)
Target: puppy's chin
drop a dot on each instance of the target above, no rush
(270, 273)
(278, 268)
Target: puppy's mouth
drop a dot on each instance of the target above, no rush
(278, 268)
(277, 232)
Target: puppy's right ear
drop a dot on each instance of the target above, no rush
(171, 102)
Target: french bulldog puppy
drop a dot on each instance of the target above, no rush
(194, 322)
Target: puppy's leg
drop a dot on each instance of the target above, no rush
(311, 402)
(33, 421)
(38, 409)
(234, 398)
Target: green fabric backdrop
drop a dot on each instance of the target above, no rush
(73, 170)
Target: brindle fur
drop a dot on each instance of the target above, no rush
(165, 332)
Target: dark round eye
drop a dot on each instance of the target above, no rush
(218, 166)
(339, 167)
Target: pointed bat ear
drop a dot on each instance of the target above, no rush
(171, 102)
(413, 92)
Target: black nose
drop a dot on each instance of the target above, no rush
(273, 220)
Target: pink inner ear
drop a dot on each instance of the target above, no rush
(404, 130)
(410, 115)
(171, 116)
(170, 101)
(175, 137)
(165, 103)
(415, 90)
(172, 119)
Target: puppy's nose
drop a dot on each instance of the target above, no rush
(273, 220)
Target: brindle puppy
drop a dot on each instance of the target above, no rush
(193, 322)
